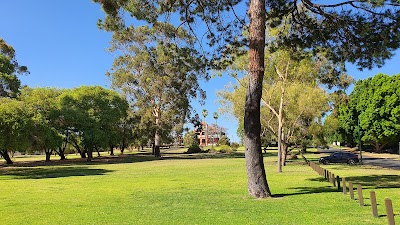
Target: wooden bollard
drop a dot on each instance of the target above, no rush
(344, 185)
(329, 177)
(338, 182)
(389, 211)
(360, 195)
(374, 208)
(333, 180)
(351, 190)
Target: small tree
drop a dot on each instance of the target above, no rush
(190, 138)
(224, 140)
(15, 125)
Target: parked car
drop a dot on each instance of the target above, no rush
(340, 157)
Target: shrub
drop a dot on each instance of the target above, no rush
(225, 149)
(223, 140)
(234, 146)
(193, 149)
(190, 139)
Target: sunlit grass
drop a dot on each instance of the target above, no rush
(141, 190)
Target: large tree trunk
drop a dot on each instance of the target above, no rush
(285, 151)
(6, 157)
(379, 147)
(157, 143)
(48, 154)
(279, 163)
(280, 130)
(82, 153)
(89, 154)
(61, 153)
(98, 151)
(257, 180)
(157, 137)
(111, 149)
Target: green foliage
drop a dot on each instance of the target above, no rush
(224, 140)
(225, 149)
(194, 149)
(94, 113)
(15, 125)
(234, 146)
(42, 103)
(161, 89)
(190, 139)
(375, 102)
(295, 83)
(9, 71)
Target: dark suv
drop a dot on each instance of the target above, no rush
(340, 157)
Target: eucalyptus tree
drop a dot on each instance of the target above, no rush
(15, 125)
(361, 32)
(292, 98)
(9, 71)
(158, 70)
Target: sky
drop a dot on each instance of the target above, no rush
(60, 43)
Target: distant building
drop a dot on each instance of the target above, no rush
(208, 134)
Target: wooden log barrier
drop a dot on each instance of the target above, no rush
(351, 190)
(374, 207)
(344, 185)
(389, 211)
(360, 195)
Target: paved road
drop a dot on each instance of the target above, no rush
(372, 159)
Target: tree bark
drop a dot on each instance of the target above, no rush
(280, 130)
(48, 154)
(89, 155)
(61, 153)
(285, 151)
(111, 150)
(157, 140)
(257, 180)
(6, 157)
(279, 163)
(98, 151)
(82, 153)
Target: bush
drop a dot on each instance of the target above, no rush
(193, 149)
(223, 140)
(234, 146)
(225, 149)
(190, 139)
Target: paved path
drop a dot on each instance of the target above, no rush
(373, 159)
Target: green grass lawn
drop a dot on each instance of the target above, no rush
(184, 189)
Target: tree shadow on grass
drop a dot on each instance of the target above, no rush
(49, 172)
(308, 190)
(377, 181)
(127, 158)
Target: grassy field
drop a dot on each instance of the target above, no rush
(185, 189)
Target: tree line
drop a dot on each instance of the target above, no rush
(89, 118)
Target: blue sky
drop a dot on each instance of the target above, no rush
(62, 47)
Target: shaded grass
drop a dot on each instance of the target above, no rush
(179, 189)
